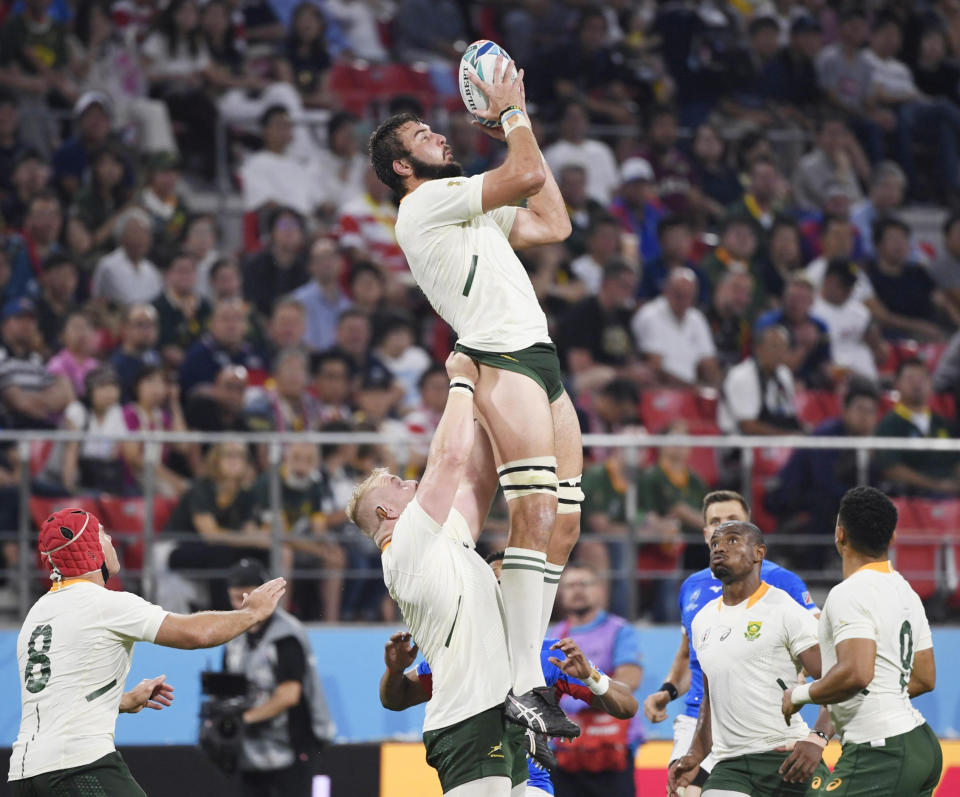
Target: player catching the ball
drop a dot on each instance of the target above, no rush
(459, 234)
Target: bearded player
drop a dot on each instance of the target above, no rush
(73, 656)
(459, 235)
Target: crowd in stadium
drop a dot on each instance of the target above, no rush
(739, 179)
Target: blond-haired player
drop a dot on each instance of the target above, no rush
(458, 235)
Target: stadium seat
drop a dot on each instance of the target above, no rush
(770, 461)
(763, 519)
(921, 560)
(41, 508)
(659, 407)
(703, 461)
(351, 82)
(816, 406)
(389, 80)
(124, 517)
(945, 405)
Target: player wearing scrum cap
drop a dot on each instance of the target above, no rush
(458, 235)
(877, 655)
(751, 643)
(73, 656)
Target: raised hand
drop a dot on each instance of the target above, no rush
(399, 652)
(264, 599)
(502, 91)
(152, 693)
(575, 663)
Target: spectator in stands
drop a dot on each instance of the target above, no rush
(611, 409)
(223, 344)
(856, 345)
(11, 141)
(395, 346)
(285, 404)
(785, 256)
(892, 88)
(844, 73)
(109, 62)
(905, 289)
(75, 360)
(94, 464)
(341, 163)
(219, 406)
(789, 80)
(99, 203)
(219, 510)
(30, 396)
(41, 229)
(737, 250)
(377, 397)
(281, 267)
(637, 208)
(138, 346)
(935, 73)
(91, 130)
(305, 498)
(888, 186)
(58, 288)
(825, 473)
(30, 177)
(573, 147)
(434, 42)
(201, 240)
(323, 298)
(273, 176)
(672, 170)
(155, 408)
(674, 492)
(422, 419)
(745, 102)
(286, 328)
(583, 209)
(836, 158)
(178, 64)
(758, 395)
(226, 280)
(126, 275)
(331, 384)
(366, 227)
(809, 355)
(945, 270)
(727, 316)
(604, 245)
(762, 200)
(165, 205)
(182, 314)
(594, 337)
(676, 241)
(717, 183)
(917, 472)
(354, 333)
(837, 240)
(674, 337)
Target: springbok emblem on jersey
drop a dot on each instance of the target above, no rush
(753, 630)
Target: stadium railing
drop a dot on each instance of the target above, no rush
(928, 544)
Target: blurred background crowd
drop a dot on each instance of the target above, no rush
(764, 198)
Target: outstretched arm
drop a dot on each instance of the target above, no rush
(612, 696)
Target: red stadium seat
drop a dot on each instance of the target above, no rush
(351, 82)
(703, 461)
(659, 407)
(42, 508)
(921, 561)
(945, 405)
(124, 517)
(816, 406)
(389, 80)
(766, 522)
(770, 461)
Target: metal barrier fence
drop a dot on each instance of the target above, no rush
(27, 577)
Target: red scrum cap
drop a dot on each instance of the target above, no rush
(70, 543)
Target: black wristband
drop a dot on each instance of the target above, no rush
(821, 734)
(670, 689)
(510, 108)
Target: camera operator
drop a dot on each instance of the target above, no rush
(288, 720)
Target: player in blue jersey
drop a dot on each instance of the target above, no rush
(565, 668)
(685, 676)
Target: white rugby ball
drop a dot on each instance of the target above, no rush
(480, 59)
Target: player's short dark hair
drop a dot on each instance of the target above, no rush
(386, 147)
(869, 517)
(495, 556)
(719, 496)
(746, 528)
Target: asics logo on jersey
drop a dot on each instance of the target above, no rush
(725, 633)
(496, 751)
(833, 785)
(753, 630)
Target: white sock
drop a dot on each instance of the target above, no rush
(551, 580)
(521, 582)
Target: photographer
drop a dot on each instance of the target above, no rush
(288, 721)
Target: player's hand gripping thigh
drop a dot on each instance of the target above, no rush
(517, 415)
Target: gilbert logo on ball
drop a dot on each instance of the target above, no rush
(480, 59)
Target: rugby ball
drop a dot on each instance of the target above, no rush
(480, 59)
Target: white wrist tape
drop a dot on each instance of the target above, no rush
(818, 740)
(598, 686)
(801, 695)
(460, 384)
(513, 120)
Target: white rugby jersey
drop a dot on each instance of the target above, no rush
(450, 601)
(464, 264)
(876, 603)
(73, 657)
(744, 651)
